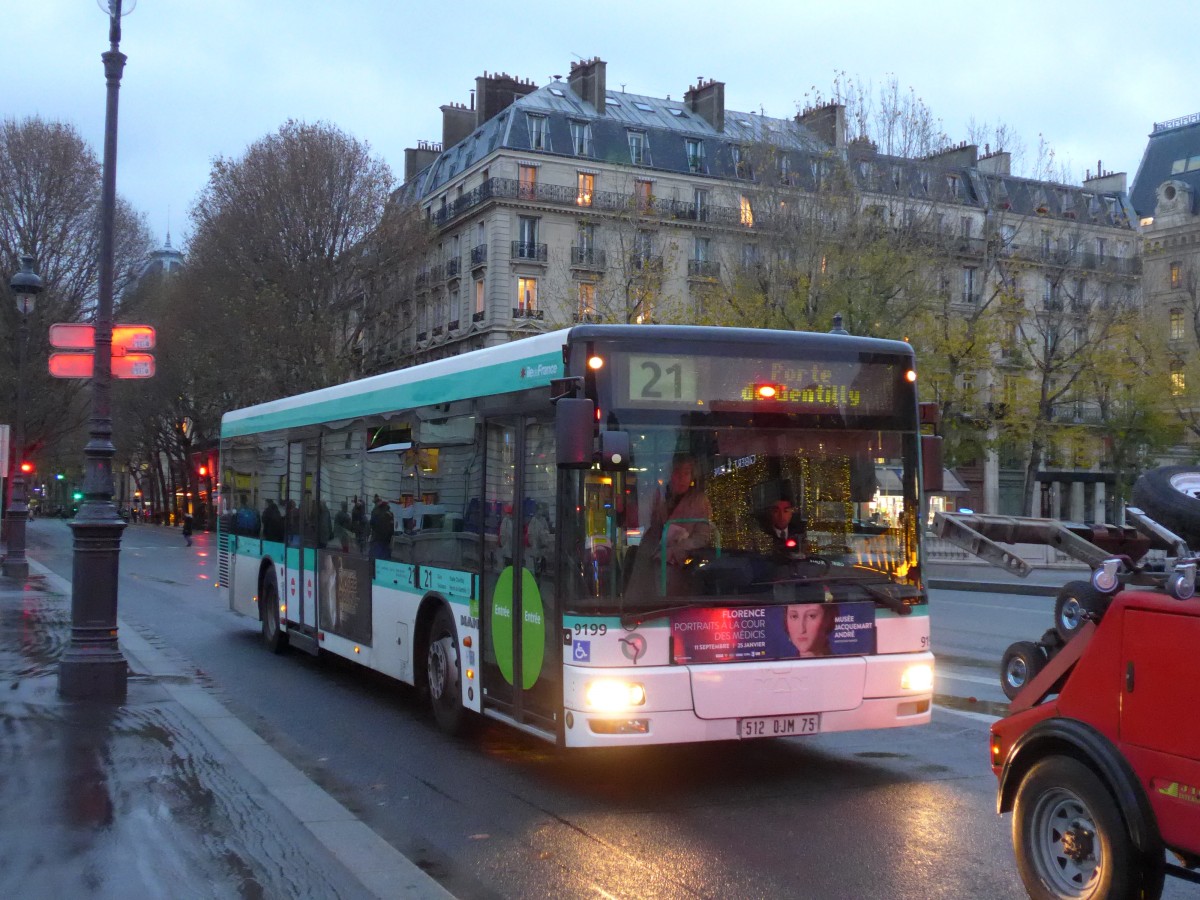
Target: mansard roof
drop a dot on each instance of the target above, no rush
(667, 123)
(1172, 153)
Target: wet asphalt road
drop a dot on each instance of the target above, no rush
(896, 814)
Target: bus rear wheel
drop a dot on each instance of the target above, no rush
(274, 637)
(443, 675)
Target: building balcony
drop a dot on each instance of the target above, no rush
(527, 252)
(587, 258)
(436, 273)
(477, 316)
(644, 262)
(478, 256)
(703, 268)
(452, 267)
(524, 312)
(969, 298)
(437, 331)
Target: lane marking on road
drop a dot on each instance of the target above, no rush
(978, 717)
(1025, 609)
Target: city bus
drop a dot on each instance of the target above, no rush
(603, 536)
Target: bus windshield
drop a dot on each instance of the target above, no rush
(730, 513)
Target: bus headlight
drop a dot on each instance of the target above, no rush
(613, 695)
(917, 678)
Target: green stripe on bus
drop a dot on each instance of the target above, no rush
(501, 378)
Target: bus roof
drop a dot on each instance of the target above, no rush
(518, 365)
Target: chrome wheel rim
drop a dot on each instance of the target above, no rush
(1065, 846)
(1187, 483)
(1071, 615)
(1017, 672)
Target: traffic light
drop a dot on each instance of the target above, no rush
(58, 476)
(77, 496)
(202, 471)
(27, 468)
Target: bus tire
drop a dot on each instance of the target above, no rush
(1170, 495)
(1021, 664)
(1070, 840)
(274, 637)
(443, 675)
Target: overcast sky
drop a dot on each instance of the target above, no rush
(206, 79)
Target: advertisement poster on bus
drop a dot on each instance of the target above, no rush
(345, 590)
(798, 630)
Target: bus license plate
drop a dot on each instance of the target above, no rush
(779, 726)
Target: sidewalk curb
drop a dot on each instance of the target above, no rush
(379, 867)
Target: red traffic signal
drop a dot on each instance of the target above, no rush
(81, 365)
(27, 468)
(202, 471)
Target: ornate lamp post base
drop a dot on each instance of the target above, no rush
(92, 667)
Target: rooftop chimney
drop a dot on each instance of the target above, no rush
(457, 123)
(587, 80)
(1104, 181)
(827, 123)
(707, 100)
(494, 93)
(998, 163)
(417, 158)
(964, 154)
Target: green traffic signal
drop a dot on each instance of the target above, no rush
(78, 495)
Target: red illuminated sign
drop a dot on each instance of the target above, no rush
(82, 365)
(81, 336)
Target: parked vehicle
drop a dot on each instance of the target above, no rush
(1099, 758)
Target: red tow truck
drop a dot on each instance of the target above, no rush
(1098, 759)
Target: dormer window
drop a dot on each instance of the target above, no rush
(741, 162)
(695, 156)
(539, 136)
(581, 138)
(953, 186)
(639, 149)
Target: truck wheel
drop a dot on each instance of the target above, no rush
(1075, 600)
(1170, 495)
(1070, 840)
(1021, 663)
(273, 636)
(442, 675)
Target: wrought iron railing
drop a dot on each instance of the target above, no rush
(529, 251)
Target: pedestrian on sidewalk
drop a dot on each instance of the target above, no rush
(187, 528)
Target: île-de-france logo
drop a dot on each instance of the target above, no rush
(1186, 792)
(540, 370)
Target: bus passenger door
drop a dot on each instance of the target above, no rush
(300, 526)
(522, 658)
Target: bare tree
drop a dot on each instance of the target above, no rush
(281, 240)
(50, 189)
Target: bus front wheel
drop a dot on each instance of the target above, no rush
(274, 637)
(443, 677)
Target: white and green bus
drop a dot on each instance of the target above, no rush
(606, 535)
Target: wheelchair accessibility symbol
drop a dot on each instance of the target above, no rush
(582, 651)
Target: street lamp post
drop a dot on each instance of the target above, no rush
(92, 666)
(25, 285)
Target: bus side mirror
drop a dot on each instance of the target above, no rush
(574, 421)
(931, 463)
(614, 451)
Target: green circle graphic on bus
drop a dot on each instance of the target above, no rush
(533, 627)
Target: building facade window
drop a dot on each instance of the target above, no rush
(749, 255)
(700, 204)
(586, 187)
(969, 275)
(741, 162)
(695, 156)
(702, 249)
(581, 138)
(587, 301)
(785, 169)
(643, 247)
(585, 235)
(539, 137)
(477, 316)
(527, 182)
(1177, 324)
(1049, 293)
(527, 237)
(1178, 382)
(1176, 275)
(639, 148)
(745, 212)
(527, 298)
(455, 312)
(645, 193)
